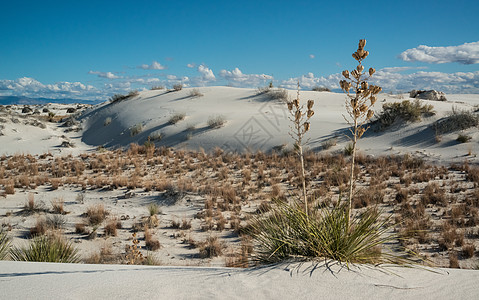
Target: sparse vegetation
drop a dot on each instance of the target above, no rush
(176, 118)
(46, 248)
(215, 122)
(177, 87)
(406, 111)
(120, 97)
(463, 138)
(195, 93)
(320, 89)
(457, 120)
(136, 129)
(4, 244)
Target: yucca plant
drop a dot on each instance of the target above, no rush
(46, 248)
(358, 106)
(300, 119)
(4, 244)
(287, 232)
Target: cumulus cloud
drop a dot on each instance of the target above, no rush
(154, 66)
(206, 73)
(108, 75)
(30, 87)
(308, 81)
(466, 54)
(236, 78)
(459, 82)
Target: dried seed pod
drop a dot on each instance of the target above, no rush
(290, 105)
(296, 103)
(362, 43)
(361, 131)
(346, 74)
(366, 53)
(310, 113)
(371, 71)
(364, 85)
(360, 52)
(363, 108)
(373, 100)
(370, 114)
(348, 86)
(355, 56)
(360, 68)
(297, 115)
(355, 73)
(306, 126)
(366, 93)
(354, 102)
(310, 104)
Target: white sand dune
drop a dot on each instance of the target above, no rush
(254, 122)
(20, 280)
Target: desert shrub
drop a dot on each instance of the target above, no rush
(151, 243)
(195, 93)
(4, 244)
(157, 87)
(320, 89)
(57, 205)
(216, 121)
(55, 221)
(10, 188)
(120, 97)
(46, 249)
(136, 129)
(278, 94)
(287, 232)
(212, 247)
(80, 228)
(406, 110)
(96, 214)
(457, 120)
(463, 138)
(177, 87)
(348, 149)
(39, 228)
(453, 261)
(327, 144)
(107, 121)
(176, 118)
(111, 227)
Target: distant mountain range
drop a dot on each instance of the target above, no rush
(9, 100)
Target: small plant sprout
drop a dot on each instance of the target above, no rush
(301, 125)
(358, 105)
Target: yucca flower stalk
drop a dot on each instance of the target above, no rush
(300, 119)
(358, 106)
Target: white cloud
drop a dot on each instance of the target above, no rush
(108, 75)
(309, 81)
(460, 82)
(192, 65)
(312, 56)
(30, 87)
(466, 54)
(154, 66)
(206, 73)
(236, 78)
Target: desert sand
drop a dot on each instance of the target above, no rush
(252, 122)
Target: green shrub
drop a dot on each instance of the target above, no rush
(287, 232)
(320, 89)
(46, 249)
(406, 110)
(463, 138)
(4, 244)
(457, 120)
(348, 149)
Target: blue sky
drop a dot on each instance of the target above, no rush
(94, 49)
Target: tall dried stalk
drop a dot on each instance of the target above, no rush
(358, 106)
(301, 125)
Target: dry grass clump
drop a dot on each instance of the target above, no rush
(58, 206)
(215, 122)
(195, 93)
(177, 87)
(112, 226)
(176, 118)
(119, 97)
(151, 242)
(96, 214)
(211, 247)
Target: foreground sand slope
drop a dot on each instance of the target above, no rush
(20, 280)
